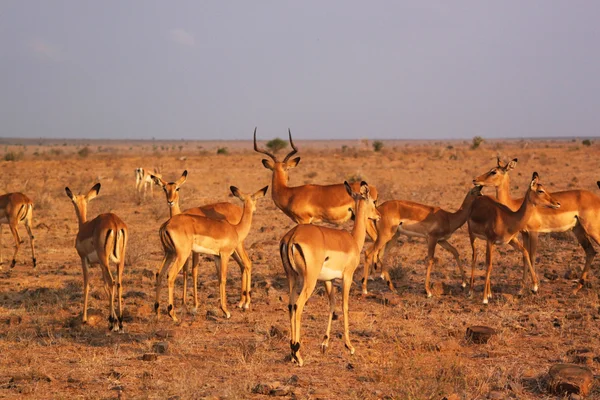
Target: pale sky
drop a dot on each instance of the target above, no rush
(327, 69)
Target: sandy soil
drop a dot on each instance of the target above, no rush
(407, 346)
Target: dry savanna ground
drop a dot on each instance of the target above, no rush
(407, 346)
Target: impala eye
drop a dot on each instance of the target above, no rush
(540, 191)
(492, 172)
(177, 190)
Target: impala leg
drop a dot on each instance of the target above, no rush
(195, 261)
(526, 256)
(487, 290)
(0, 243)
(532, 249)
(346, 282)
(109, 288)
(120, 268)
(185, 278)
(248, 270)
(15, 232)
(374, 255)
(166, 262)
(447, 246)
(292, 278)
(86, 287)
(307, 290)
(174, 269)
(473, 264)
(31, 237)
(431, 243)
(590, 252)
(222, 261)
(385, 274)
(331, 295)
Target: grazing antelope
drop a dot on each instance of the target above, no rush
(185, 233)
(308, 204)
(579, 210)
(497, 224)
(232, 213)
(311, 253)
(412, 219)
(16, 208)
(143, 179)
(101, 240)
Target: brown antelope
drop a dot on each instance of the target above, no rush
(16, 208)
(497, 224)
(143, 179)
(232, 213)
(579, 210)
(311, 253)
(308, 204)
(185, 233)
(412, 219)
(100, 241)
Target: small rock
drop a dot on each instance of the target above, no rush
(165, 334)
(495, 395)
(150, 357)
(479, 334)
(569, 378)
(160, 347)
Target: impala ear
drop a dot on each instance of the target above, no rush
(182, 180)
(93, 192)
(293, 163)
(158, 181)
(69, 193)
(364, 189)
(236, 192)
(261, 193)
(534, 179)
(512, 164)
(269, 164)
(348, 188)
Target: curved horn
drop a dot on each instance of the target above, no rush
(261, 150)
(293, 147)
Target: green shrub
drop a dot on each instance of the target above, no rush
(84, 152)
(477, 140)
(13, 156)
(377, 145)
(587, 142)
(222, 150)
(276, 144)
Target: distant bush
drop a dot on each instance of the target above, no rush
(276, 144)
(477, 140)
(84, 152)
(56, 152)
(222, 150)
(587, 142)
(13, 156)
(377, 145)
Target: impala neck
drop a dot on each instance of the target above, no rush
(81, 211)
(174, 210)
(460, 216)
(359, 230)
(524, 212)
(243, 227)
(280, 189)
(503, 191)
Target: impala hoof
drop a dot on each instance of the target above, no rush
(485, 301)
(324, 348)
(535, 289)
(429, 295)
(463, 285)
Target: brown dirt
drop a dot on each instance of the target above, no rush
(407, 346)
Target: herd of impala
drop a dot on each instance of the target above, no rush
(310, 252)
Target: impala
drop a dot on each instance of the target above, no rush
(307, 204)
(185, 233)
(100, 241)
(312, 253)
(579, 210)
(143, 179)
(232, 213)
(16, 208)
(412, 219)
(498, 225)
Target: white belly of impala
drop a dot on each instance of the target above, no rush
(196, 248)
(328, 274)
